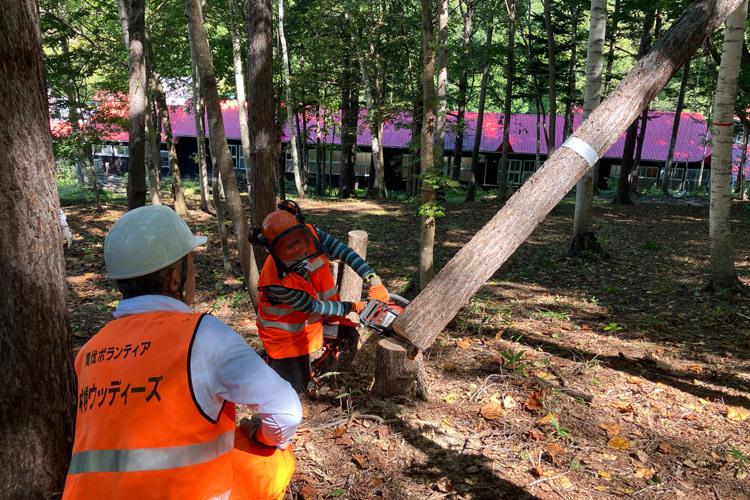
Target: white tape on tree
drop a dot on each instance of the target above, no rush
(583, 149)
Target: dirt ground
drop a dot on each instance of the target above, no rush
(612, 376)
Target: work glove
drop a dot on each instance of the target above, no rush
(377, 291)
(358, 306)
(252, 426)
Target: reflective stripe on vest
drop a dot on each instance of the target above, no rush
(327, 294)
(146, 459)
(287, 327)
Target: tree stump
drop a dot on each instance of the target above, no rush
(396, 374)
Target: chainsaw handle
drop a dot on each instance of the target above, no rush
(398, 298)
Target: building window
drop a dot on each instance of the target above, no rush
(614, 171)
(514, 172)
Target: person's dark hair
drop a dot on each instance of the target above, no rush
(150, 284)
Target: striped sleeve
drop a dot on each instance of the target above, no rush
(337, 250)
(304, 302)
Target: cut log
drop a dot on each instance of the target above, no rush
(426, 316)
(396, 374)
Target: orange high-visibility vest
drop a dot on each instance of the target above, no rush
(139, 432)
(286, 332)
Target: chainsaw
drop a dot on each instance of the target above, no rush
(379, 316)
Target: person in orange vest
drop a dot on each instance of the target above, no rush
(157, 386)
(299, 309)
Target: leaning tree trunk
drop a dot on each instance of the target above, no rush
(220, 155)
(675, 129)
(38, 399)
(723, 272)
(137, 98)
(583, 232)
(427, 237)
(424, 318)
(470, 191)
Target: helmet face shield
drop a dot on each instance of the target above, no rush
(294, 249)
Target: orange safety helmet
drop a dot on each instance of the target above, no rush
(287, 238)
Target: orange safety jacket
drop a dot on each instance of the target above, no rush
(287, 332)
(139, 433)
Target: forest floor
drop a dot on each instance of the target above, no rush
(607, 377)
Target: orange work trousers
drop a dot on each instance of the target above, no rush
(260, 473)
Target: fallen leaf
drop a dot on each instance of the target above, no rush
(359, 460)
(535, 435)
(541, 472)
(737, 414)
(555, 449)
(491, 411)
(689, 463)
(449, 367)
(665, 448)
(548, 417)
(446, 421)
(585, 327)
(534, 401)
(464, 343)
(642, 456)
(344, 441)
(547, 332)
(545, 376)
(564, 483)
(604, 474)
(623, 407)
(509, 402)
(375, 482)
(644, 472)
(308, 492)
(618, 443)
(444, 485)
(695, 368)
(338, 432)
(611, 429)
(451, 398)
(634, 380)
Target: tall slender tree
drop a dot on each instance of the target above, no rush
(510, 70)
(442, 83)
(723, 272)
(551, 77)
(582, 225)
(290, 105)
(36, 440)
(675, 129)
(138, 103)
(426, 159)
(463, 83)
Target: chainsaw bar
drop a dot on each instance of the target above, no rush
(379, 316)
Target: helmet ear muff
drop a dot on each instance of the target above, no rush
(293, 208)
(255, 237)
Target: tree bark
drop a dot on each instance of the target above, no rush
(723, 272)
(426, 315)
(551, 71)
(426, 159)
(463, 84)
(502, 187)
(575, 10)
(137, 85)
(262, 158)
(220, 155)
(396, 374)
(480, 112)
(290, 106)
(591, 98)
(38, 399)
(442, 82)
(622, 196)
(675, 129)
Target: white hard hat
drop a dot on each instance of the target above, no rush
(145, 240)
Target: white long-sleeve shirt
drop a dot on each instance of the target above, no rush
(224, 367)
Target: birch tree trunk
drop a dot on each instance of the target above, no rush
(289, 104)
(426, 315)
(591, 98)
(137, 98)
(480, 112)
(723, 272)
(502, 187)
(38, 399)
(220, 155)
(427, 237)
(675, 129)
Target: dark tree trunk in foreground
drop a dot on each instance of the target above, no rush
(472, 266)
(261, 163)
(38, 398)
(138, 103)
(675, 129)
(220, 155)
(623, 182)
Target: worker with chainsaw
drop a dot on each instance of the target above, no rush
(157, 386)
(299, 310)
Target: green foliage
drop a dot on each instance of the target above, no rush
(650, 245)
(612, 327)
(563, 432)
